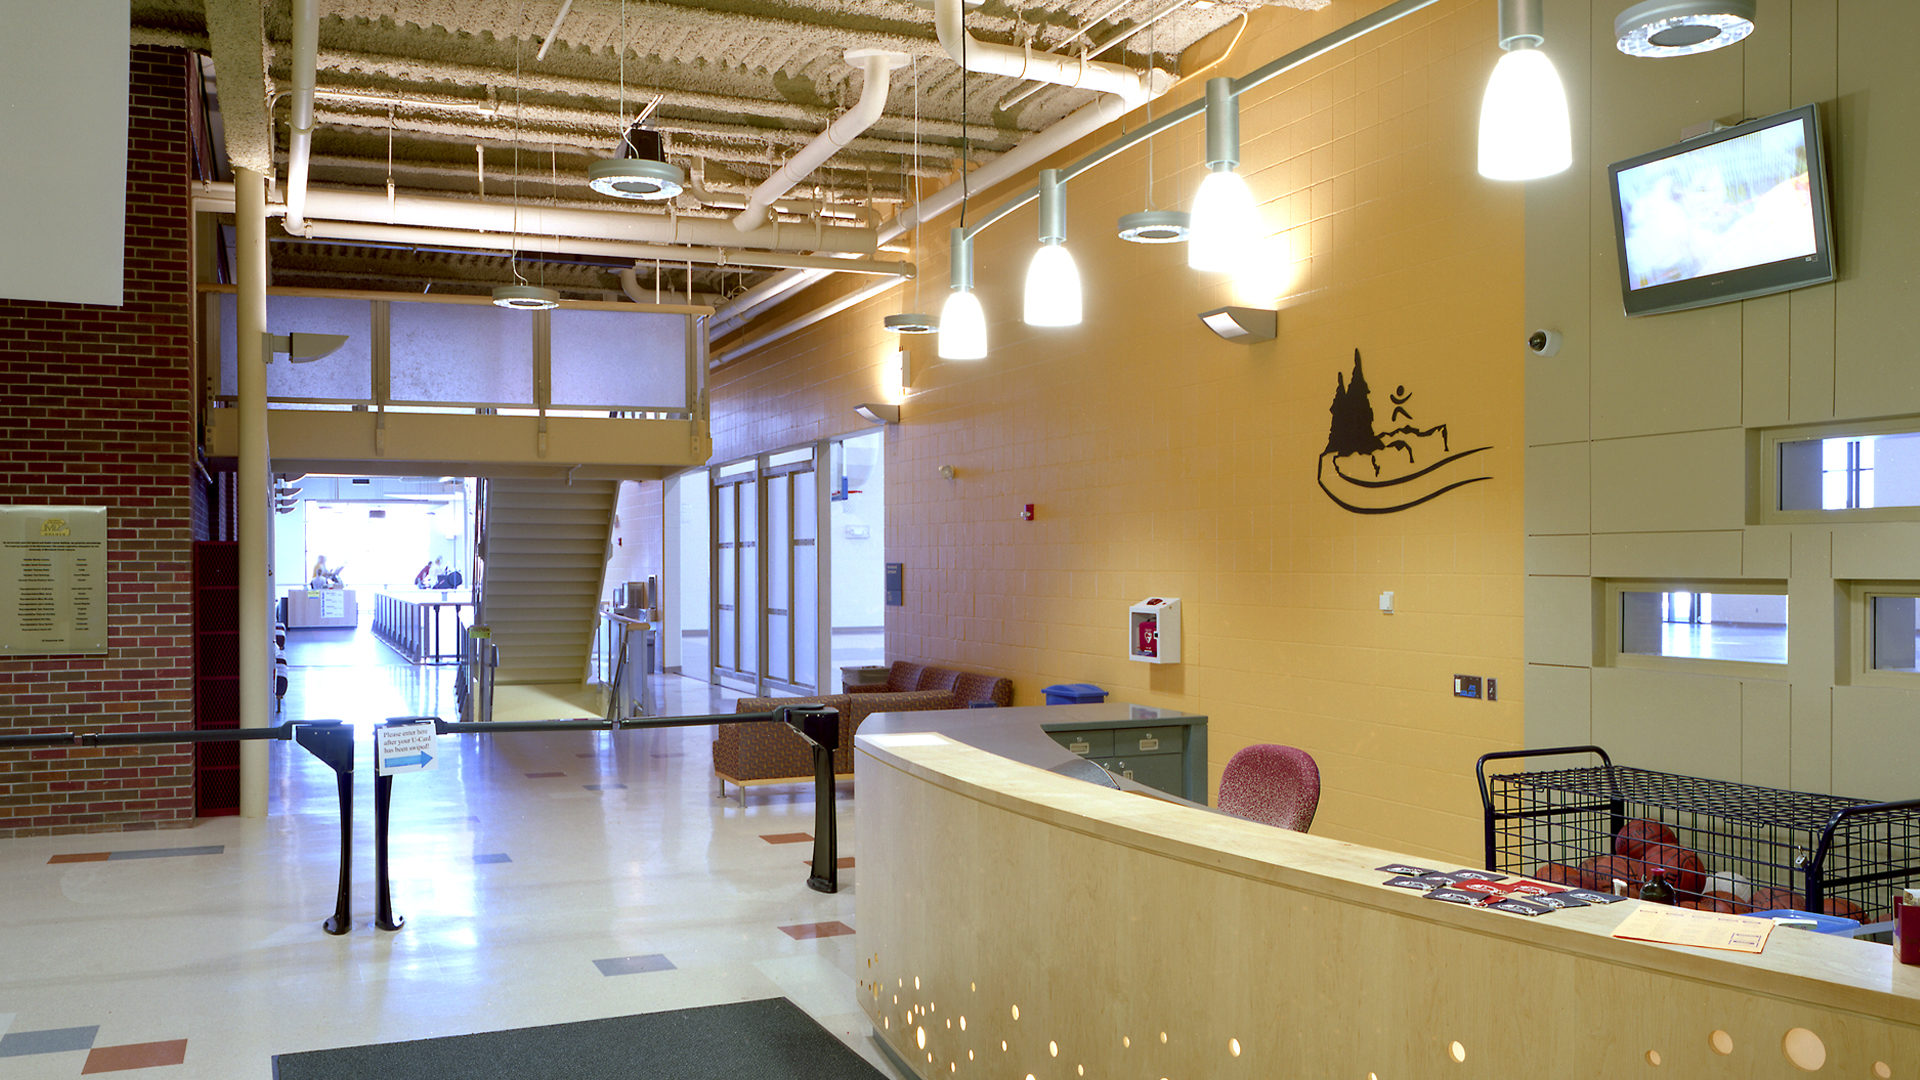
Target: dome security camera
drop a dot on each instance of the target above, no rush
(1543, 342)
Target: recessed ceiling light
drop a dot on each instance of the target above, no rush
(636, 178)
(1156, 226)
(525, 297)
(912, 323)
(1682, 27)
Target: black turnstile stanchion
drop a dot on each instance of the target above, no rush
(332, 743)
(329, 740)
(818, 724)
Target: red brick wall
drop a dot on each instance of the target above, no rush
(96, 409)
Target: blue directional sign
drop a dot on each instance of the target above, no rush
(399, 748)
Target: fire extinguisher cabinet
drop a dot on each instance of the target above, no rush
(1154, 630)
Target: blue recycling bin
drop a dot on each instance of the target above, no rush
(1074, 694)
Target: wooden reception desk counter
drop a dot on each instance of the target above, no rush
(1019, 922)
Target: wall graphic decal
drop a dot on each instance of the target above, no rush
(1381, 472)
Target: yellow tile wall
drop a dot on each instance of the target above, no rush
(1164, 462)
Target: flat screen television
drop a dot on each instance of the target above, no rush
(1737, 213)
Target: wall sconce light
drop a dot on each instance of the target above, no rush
(1243, 325)
(878, 413)
(1524, 132)
(301, 348)
(1053, 281)
(963, 325)
(1225, 220)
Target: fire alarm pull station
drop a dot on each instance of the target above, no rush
(1154, 631)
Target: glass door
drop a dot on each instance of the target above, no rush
(736, 575)
(791, 542)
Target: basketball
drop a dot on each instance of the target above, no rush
(1634, 838)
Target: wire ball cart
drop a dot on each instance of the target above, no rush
(1723, 846)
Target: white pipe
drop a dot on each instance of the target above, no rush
(557, 20)
(1030, 152)
(833, 307)
(1134, 87)
(779, 260)
(306, 51)
(727, 200)
(876, 63)
(537, 222)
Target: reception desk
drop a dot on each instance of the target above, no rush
(1020, 916)
(314, 608)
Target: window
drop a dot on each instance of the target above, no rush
(1865, 471)
(1893, 627)
(1725, 624)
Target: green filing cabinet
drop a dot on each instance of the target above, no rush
(1157, 747)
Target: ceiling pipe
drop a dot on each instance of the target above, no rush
(831, 308)
(727, 200)
(991, 58)
(1025, 92)
(877, 64)
(779, 260)
(554, 31)
(1031, 151)
(306, 50)
(538, 224)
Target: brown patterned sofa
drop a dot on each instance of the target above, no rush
(766, 753)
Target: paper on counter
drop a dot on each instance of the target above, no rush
(1685, 926)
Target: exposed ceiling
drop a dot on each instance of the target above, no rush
(453, 99)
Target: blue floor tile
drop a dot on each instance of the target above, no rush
(634, 965)
(53, 1040)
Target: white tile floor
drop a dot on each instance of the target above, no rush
(226, 951)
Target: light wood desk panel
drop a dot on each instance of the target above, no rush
(1141, 938)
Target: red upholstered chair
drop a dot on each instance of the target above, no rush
(1278, 785)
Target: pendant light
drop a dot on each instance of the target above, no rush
(1053, 281)
(642, 170)
(915, 321)
(1152, 226)
(520, 294)
(1226, 223)
(1682, 27)
(1524, 132)
(963, 325)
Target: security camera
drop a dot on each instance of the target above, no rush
(1543, 342)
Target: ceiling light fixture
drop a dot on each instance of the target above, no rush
(1682, 27)
(520, 295)
(1053, 281)
(1152, 226)
(1225, 219)
(963, 323)
(914, 322)
(641, 171)
(1524, 132)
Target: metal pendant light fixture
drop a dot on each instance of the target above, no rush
(520, 294)
(1226, 223)
(963, 324)
(1053, 281)
(641, 171)
(915, 321)
(1682, 27)
(1524, 131)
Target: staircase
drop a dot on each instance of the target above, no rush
(545, 557)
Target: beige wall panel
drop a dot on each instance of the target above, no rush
(1670, 483)
(1559, 273)
(1766, 551)
(1876, 742)
(1559, 623)
(1765, 361)
(1876, 231)
(1879, 551)
(1559, 555)
(1559, 705)
(1557, 487)
(1815, 622)
(1163, 461)
(1667, 555)
(1671, 721)
(1766, 719)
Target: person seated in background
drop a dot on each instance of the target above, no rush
(324, 576)
(425, 576)
(449, 579)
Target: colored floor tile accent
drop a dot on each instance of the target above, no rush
(543, 775)
(808, 931)
(634, 965)
(50, 1041)
(494, 857)
(787, 838)
(80, 856)
(169, 852)
(135, 1056)
(605, 787)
